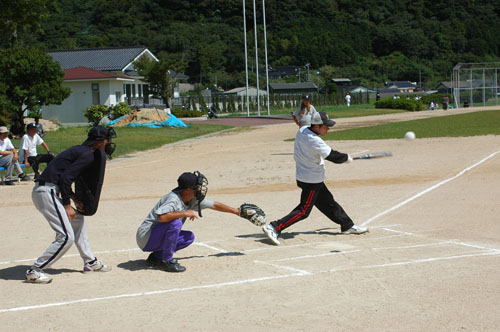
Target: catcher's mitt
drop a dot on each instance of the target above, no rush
(253, 213)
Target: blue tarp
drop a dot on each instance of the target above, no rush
(172, 122)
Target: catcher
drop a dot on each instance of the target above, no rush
(161, 232)
(52, 194)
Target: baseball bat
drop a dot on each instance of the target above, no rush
(374, 155)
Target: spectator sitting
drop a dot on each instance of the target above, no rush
(9, 157)
(17, 130)
(29, 155)
(39, 127)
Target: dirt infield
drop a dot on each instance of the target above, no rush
(431, 260)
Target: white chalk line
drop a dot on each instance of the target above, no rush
(414, 246)
(210, 247)
(297, 272)
(313, 256)
(104, 252)
(171, 290)
(72, 255)
(244, 281)
(429, 189)
(396, 231)
(415, 261)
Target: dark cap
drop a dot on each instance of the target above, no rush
(186, 180)
(30, 126)
(319, 118)
(305, 97)
(99, 133)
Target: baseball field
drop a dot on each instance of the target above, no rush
(431, 260)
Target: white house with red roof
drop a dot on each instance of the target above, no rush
(98, 77)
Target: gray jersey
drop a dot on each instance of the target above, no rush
(171, 202)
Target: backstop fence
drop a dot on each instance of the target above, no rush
(475, 84)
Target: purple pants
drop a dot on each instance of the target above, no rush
(167, 238)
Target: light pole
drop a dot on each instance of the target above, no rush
(265, 52)
(307, 66)
(246, 56)
(256, 56)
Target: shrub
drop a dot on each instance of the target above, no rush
(95, 113)
(403, 104)
(119, 110)
(187, 113)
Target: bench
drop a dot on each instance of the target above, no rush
(3, 169)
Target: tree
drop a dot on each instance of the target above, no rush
(157, 74)
(30, 79)
(18, 16)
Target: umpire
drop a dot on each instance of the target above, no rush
(83, 165)
(310, 153)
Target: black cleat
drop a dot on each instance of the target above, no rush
(172, 266)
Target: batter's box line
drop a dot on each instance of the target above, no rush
(164, 291)
(288, 268)
(455, 241)
(415, 261)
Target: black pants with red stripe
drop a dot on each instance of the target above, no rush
(315, 194)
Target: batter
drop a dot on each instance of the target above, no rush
(310, 153)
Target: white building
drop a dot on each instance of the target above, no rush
(98, 77)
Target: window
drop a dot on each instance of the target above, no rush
(96, 99)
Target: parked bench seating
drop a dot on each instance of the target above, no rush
(3, 170)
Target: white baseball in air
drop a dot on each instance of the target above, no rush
(410, 136)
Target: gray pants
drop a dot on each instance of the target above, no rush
(46, 200)
(6, 161)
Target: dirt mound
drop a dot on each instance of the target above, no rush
(143, 116)
(48, 125)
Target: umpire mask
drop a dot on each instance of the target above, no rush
(99, 133)
(110, 146)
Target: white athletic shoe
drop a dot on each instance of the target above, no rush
(356, 230)
(96, 266)
(271, 233)
(37, 277)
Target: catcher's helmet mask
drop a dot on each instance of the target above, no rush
(195, 181)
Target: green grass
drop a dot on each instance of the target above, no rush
(128, 139)
(469, 124)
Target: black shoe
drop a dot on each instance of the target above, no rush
(172, 266)
(23, 177)
(153, 260)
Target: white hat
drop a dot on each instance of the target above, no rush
(3, 130)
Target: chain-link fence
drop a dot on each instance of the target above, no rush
(475, 84)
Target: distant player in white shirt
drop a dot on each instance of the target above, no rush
(29, 155)
(310, 153)
(348, 99)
